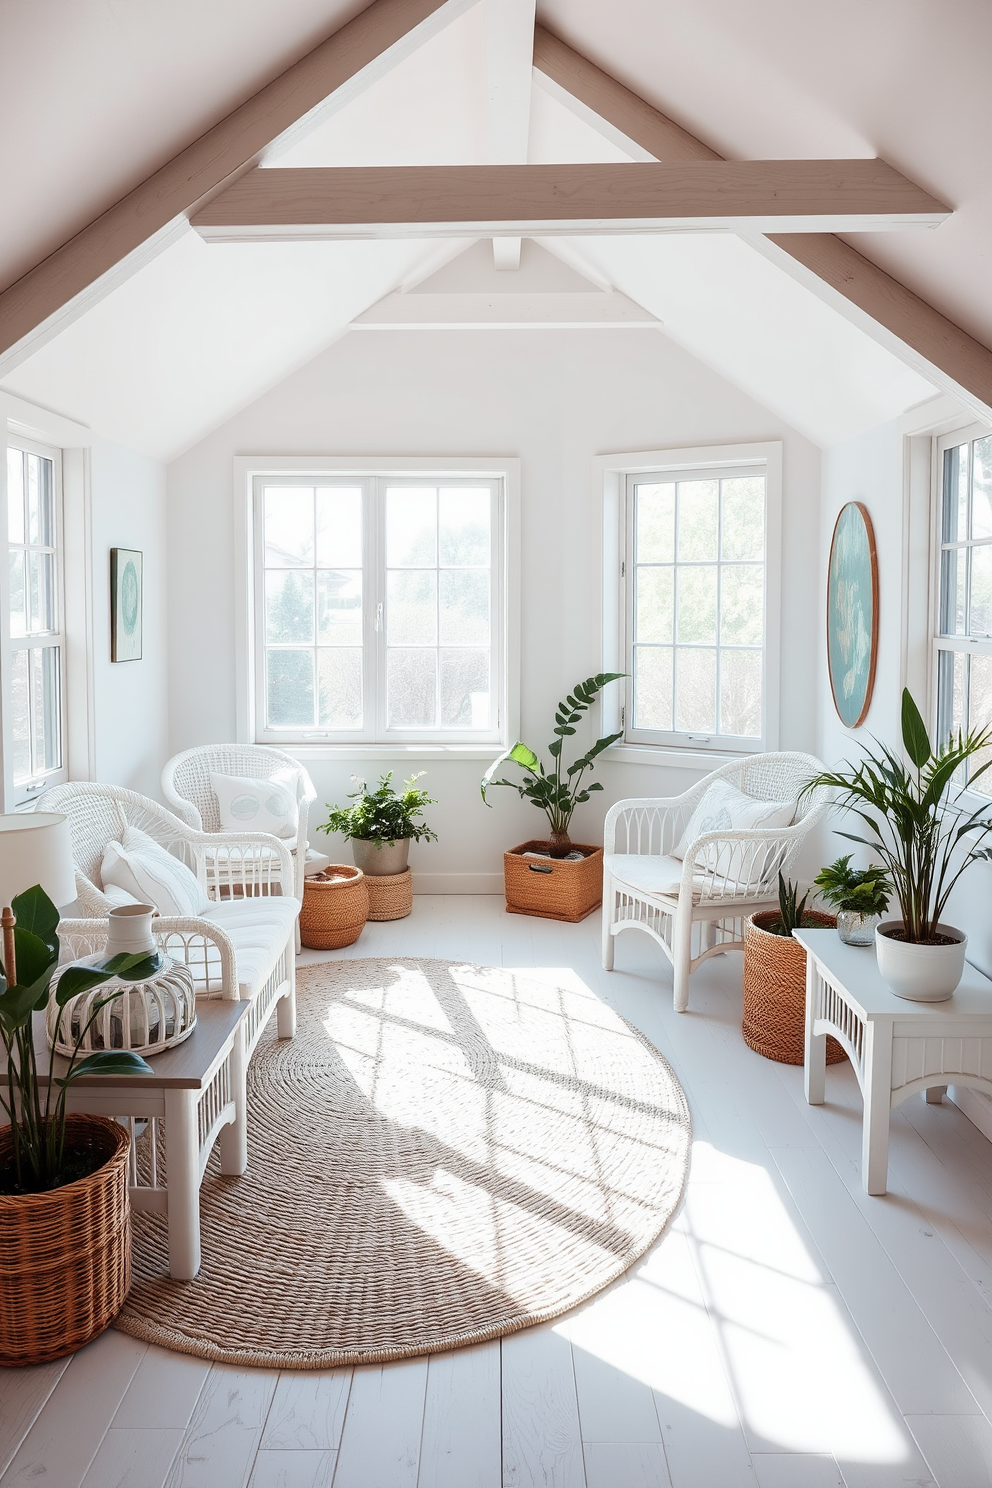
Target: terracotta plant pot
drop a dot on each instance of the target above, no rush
(775, 990)
(553, 888)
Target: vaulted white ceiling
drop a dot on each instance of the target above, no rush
(203, 329)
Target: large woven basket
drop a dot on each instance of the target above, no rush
(65, 1255)
(553, 888)
(390, 895)
(775, 991)
(335, 907)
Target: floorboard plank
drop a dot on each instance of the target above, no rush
(541, 1437)
(307, 1411)
(958, 1449)
(461, 1440)
(626, 1465)
(163, 1392)
(23, 1393)
(285, 1469)
(220, 1443)
(383, 1426)
(134, 1457)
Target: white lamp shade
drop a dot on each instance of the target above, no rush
(35, 848)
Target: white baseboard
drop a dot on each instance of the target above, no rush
(458, 883)
(975, 1104)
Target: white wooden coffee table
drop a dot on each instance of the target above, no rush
(896, 1047)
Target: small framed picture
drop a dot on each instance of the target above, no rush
(125, 604)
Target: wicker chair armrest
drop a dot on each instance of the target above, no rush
(249, 844)
(661, 807)
(80, 937)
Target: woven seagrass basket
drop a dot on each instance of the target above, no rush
(390, 895)
(775, 990)
(65, 1255)
(335, 907)
(553, 888)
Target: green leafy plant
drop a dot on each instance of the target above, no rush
(36, 1112)
(555, 794)
(864, 891)
(792, 915)
(382, 815)
(925, 841)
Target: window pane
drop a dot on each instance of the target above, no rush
(41, 526)
(695, 691)
(743, 526)
(289, 689)
(20, 716)
(339, 684)
(411, 608)
(41, 568)
(981, 494)
(954, 521)
(288, 526)
(463, 609)
(740, 693)
(697, 603)
(979, 717)
(654, 614)
(465, 689)
(653, 670)
(953, 568)
(18, 613)
(655, 523)
(45, 699)
(339, 607)
(411, 527)
(289, 607)
(698, 506)
(411, 688)
(981, 592)
(339, 528)
(15, 496)
(950, 692)
(463, 528)
(742, 605)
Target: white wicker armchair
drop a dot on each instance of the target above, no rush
(696, 907)
(186, 786)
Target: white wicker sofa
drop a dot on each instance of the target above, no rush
(696, 907)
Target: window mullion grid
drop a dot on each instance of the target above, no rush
(719, 604)
(676, 522)
(375, 719)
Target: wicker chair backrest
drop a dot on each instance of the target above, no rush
(99, 814)
(187, 776)
(776, 777)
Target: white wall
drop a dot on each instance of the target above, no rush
(555, 399)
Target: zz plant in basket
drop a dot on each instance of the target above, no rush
(39, 1158)
(555, 794)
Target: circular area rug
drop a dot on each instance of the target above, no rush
(445, 1153)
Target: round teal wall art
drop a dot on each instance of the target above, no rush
(852, 614)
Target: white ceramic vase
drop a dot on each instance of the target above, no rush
(380, 858)
(129, 930)
(921, 973)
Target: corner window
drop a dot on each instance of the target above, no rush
(379, 608)
(33, 671)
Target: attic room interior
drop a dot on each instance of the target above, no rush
(419, 412)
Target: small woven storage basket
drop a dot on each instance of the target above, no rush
(335, 907)
(775, 991)
(390, 895)
(65, 1255)
(553, 888)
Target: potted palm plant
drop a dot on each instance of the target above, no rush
(859, 895)
(926, 838)
(553, 877)
(64, 1218)
(381, 825)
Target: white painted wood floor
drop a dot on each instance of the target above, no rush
(788, 1331)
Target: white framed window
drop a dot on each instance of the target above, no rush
(962, 631)
(697, 601)
(33, 661)
(378, 607)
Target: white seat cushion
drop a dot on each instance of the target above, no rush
(647, 872)
(259, 929)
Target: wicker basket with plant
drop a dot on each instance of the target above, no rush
(775, 979)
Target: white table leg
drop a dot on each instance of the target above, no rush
(878, 1105)
(936, 1094)
(233, 1139)
(816, 1043)
(182, 1156)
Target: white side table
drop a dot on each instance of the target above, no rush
(896, 1047)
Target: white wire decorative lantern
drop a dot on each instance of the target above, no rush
(147, 1017)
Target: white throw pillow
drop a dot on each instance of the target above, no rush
(140, 866)
(250, 805)
(118, 897)
(724, 808)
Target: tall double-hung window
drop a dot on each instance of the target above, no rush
(696, 607)
(33, 666)
(963, 631)
(378, 608)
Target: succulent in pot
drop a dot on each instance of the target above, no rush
(382, 824)
(774, 1021)
(859, 895)
(926, 838)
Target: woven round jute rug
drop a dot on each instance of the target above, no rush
(445, 1153)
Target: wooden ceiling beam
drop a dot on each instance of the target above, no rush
(449, 200)
(837, 273)
(111, 247)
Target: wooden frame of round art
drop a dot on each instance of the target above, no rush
(873, 657)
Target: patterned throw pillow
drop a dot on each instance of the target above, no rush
(250, 805)
(143, 868)
(723, 808)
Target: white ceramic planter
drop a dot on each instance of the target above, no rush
(921, 973)
(379, 858)
(129, 929)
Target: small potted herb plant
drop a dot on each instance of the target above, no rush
(381, 824)
(775, 979)
(859, 895)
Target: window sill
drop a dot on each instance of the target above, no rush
(670, 759)
(411, 751)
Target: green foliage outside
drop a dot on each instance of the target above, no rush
(382, 815)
